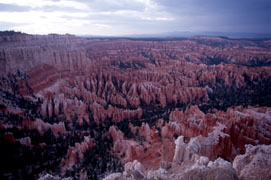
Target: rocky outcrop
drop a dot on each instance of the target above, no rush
(193, 166)
(26, 141)
(209, 135)
(108, 102)
(42, 127)
(219, 169)
(150, 151)
(193, 121)
(77, 152)
(100, 114)
(128, 150)
(51, 177)
(216, 170)
(209, 147)
(253, 123)
(255, 163)
(26, 52)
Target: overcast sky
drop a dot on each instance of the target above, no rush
(122, 17)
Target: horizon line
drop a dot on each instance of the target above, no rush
(163, 35)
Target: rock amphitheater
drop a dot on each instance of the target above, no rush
(115, 109)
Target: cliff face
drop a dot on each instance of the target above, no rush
(188, 163)
(89, 106)
(243, 125)
(255, 163)
(26, 52)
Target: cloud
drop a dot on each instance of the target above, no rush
(230, 15)
(118, 17)
(109, 5)
(158, 19)
(9, 25)
(13, 8)
(43, 3)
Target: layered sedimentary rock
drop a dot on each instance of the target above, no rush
(220, 140)
(150, 152)
(42, 127)
(187, 164)
(86, 107)
(77, 152)
(31, 51)
(255, 163)
(243, 125)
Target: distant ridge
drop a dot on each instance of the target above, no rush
(176, 35)
(208, 33)
(187, 34)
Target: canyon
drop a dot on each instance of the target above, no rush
(123, 108)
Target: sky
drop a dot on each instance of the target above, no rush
(126, 17)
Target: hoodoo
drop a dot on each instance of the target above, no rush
(86, 108)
